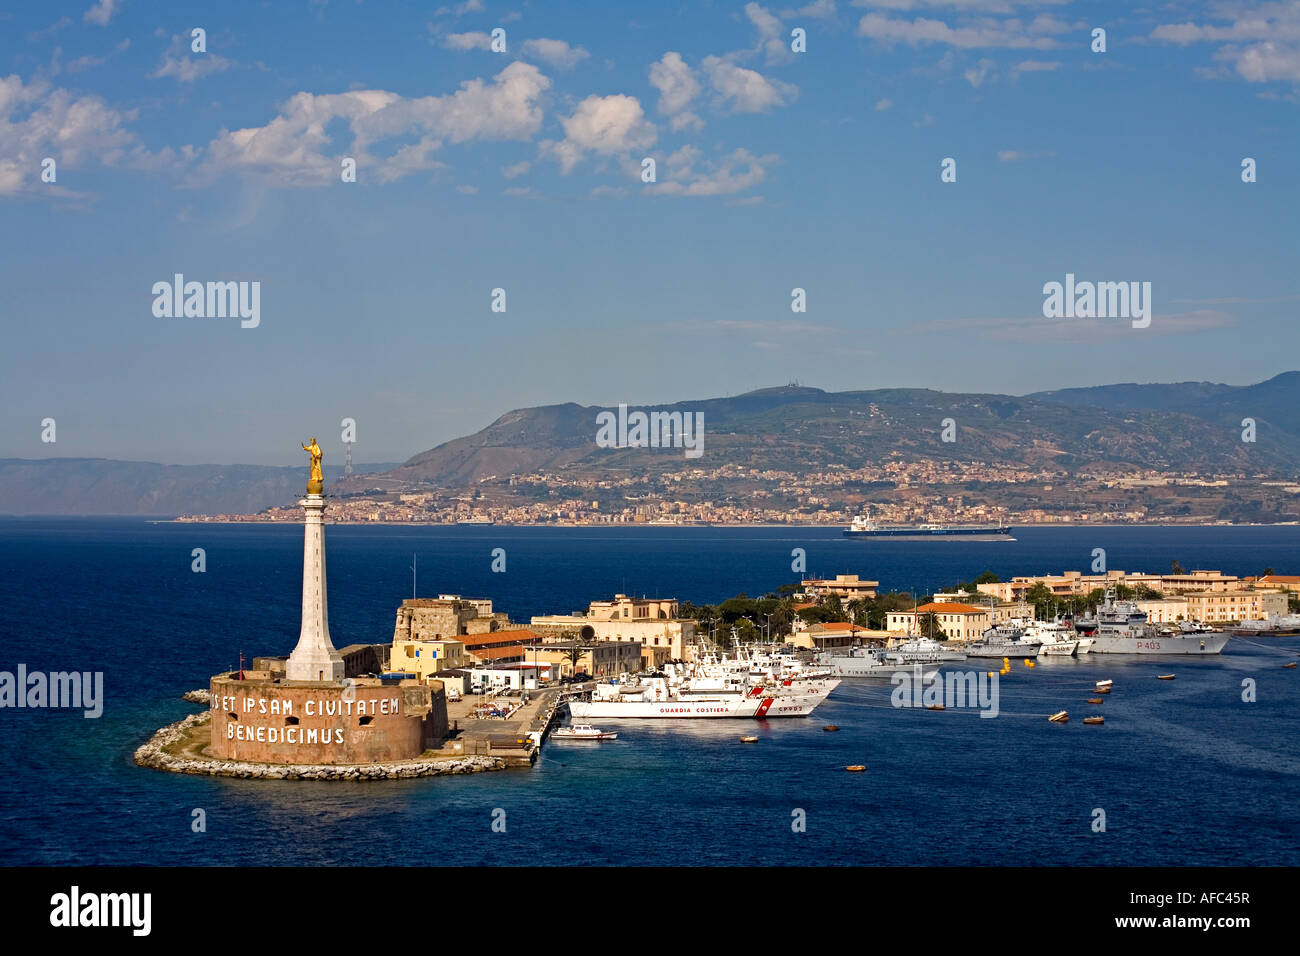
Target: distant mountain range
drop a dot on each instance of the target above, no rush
(1187, 426)
(102, 486)
(1182, 427)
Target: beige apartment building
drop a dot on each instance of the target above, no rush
(1076, 582)
(598, 659)
(652, 623)
(960, 622)
(624, 608)
(849, 587)
(1220, 606)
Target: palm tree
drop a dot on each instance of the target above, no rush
(858, 612)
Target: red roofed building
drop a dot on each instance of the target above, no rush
(499, 647)
(837, 634)
(1285, 582)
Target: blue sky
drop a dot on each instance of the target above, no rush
(521, 170)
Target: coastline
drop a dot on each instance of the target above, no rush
(177, 747)
(629, 524)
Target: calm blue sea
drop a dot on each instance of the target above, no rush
(1185, 771)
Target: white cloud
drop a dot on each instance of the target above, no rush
(460, 9)
(606, 125)
(771, 35)
(686, 175)
(178, 63)
(555, 52)
(978, 73)
(1260, 44)
(678, 87)
(884, 104)
(467, 41)
(981, 34)
(101, 12)
(818, 9)
(744, 90)
(518, 169)
(294, 148)
(467, 190)
(1036, 66)
(37, 120)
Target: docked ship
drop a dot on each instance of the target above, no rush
(1277, 625)
(924, 650)
(1004, 640)
(1120, 627)
(864, 526)
(1056, 638)
(671, 695)
(875, 662)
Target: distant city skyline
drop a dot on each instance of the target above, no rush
(522, 170)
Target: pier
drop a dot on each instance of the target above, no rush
(516, 739)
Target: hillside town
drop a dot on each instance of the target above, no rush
(897, 492)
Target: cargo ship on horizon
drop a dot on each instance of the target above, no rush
(864, 526)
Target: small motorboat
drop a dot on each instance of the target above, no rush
(1102, 690)
(856, 767)
(583, 732)
(1164, 677)
(936, 707)
(1094, 720)
(1104, 683)
(831, 728)
(749, 740)
(1060, 717)
(1095, 700)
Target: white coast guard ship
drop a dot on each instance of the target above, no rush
(671, 695)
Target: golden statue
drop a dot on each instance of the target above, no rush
(315, 482)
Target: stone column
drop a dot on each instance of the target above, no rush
(314, 659)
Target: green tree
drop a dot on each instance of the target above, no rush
(1041, 597)
(858, 609)
(833, 607)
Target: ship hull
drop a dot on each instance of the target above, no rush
(1194, 644)
(752, 708)
(854, 667)
(969, 534)
(1004, 650)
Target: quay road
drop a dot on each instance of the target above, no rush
(511, 738)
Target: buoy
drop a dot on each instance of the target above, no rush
(1028, 662)
(1095, 700)
(749, 740)
(1094, 720)
(856, 768)
(1164, 677)
(831, 727)
(990, 673)
(1060, 717)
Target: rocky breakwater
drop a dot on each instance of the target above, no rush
(161, 753)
